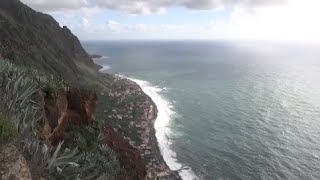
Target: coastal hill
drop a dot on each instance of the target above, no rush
(59, 117)
(33, 39)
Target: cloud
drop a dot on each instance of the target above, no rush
(295, 22)
(85, 22)
(213, 4)
(86, 29)
(144, 6)
(132, 7)
(113, 26)
(56, 5)
(247, 19)
(141, 30)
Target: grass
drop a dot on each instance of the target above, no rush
(2, 166)
(8, 133)
(91, 77)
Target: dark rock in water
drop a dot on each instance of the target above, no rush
(95, 56)
(36, 40)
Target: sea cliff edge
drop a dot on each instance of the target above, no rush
(131, 118)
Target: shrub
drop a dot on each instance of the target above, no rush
(81, 156)
(8, 133)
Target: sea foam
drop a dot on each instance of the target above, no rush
(105, 57)
(163, 132)
(102, 57)
(104, 68)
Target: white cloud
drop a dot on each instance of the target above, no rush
(56, 5)
(85, 22)
(113, 27)
(250, 19)
(296, 21)
(143, 6)
(141, 30)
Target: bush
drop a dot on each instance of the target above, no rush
(8, 133)
(81, 156)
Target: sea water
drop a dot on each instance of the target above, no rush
(228, 110)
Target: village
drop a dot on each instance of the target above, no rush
(132, 116)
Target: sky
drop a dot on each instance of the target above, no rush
(275, 20)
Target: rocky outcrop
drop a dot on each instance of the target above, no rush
(96, 56)
(37, 41)
(62, 110)
(130, 131)
(14, 165)
(128, 156)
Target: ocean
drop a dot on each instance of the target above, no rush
(228, 109)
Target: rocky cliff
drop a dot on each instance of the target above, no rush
(124, 114)
(36, 40)
(62, 110)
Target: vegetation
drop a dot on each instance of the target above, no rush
(33, 40)
(8, 134)
(83, 154)
(7, 130)
(91, 77)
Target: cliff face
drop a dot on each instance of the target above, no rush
(131, 117)
(128, 156)
(65, 109)
(36, 40)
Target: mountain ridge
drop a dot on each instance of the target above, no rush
(28, 37)
(52, 90)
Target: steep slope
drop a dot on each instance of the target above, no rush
(36, 40)
(109, 130)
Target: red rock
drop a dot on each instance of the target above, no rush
(64, 109)
(128, 156)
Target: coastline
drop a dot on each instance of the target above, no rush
(160, 129)
(131, 115)
(167, 173)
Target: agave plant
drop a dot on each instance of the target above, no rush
(65, 161)
(16, 93)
